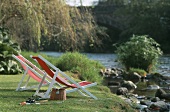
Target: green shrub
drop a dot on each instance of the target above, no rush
(76, 62)
(7, 48)
(140, 52)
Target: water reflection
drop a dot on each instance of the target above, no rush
(142, 89)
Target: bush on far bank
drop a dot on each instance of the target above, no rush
(140, 52)
(78, 63)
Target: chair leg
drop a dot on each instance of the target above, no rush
(83, 93)
(90, 94)
(83, 89)
(19, 85)
(40, 85)
(51, 85)
(27, 81)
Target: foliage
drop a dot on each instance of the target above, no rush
(76, 62)
(24, 21)
(141, 72)
(149, 17)
(140, 17)
(139, 52)
(7, 48)
(48, 24)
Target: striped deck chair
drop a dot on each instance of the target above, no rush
(69, 83)
(33, 72)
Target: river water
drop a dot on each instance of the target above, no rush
(109, 60)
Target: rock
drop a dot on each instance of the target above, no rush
(122, 91)
(129, 85)
(141, 107)
(153, 87)
(102, 73)
(165, 77)
(148, 76)
(162, 94)
(109, 72)
(155, 99)
(160, 106)
(119, 71)
(145, 102)
(113, 74)
(113, 83)
(114, 69)
(141, 97)
(167, 82)
(143, 79)
(166, 96)
(159, 93)
(145, 110)
(134, 77)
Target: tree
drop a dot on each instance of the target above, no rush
(146, 17)
(140, 17)
(24, 21)
(51, 23)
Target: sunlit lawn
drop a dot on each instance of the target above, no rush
(10, 99)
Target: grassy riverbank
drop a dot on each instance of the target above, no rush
(10, 99)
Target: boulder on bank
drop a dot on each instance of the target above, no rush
(153, 87)
(113, 83)
(111, 72)
(162, 94)
(155, 99)
(160, 106)
(129, 85)
(122, 91)
(134, 77)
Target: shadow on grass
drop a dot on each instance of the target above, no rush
(13, 90)
(78, 97)
(11, 93)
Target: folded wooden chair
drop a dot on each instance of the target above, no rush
(33, 72)
(80, 87)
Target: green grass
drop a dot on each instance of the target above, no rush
(10, 99)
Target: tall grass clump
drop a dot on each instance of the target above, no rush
(141, 72)
(87, 69)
